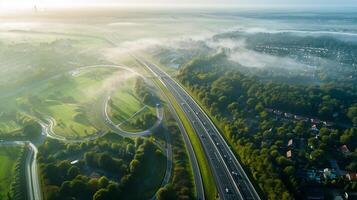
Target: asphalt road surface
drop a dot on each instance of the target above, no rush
(232, 182)
(200, 193)
(34, 190)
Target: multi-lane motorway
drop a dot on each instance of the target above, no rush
(231, 180)
(34, 190)
(31, 172)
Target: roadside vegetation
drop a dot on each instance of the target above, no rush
(19, 183)
(108, 167)
(181, 185)
(280, 132)
(12, 172)
(27, 128)
(206, 173)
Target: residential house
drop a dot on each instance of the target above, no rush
(344, 150)
(315, 121)
(288, 115)
(351, 176)
(291, 143)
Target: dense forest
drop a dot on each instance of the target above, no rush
(282, 133)
(181, 186)
(106, 168)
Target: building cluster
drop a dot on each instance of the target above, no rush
(297, 146)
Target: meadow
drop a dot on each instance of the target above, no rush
(64, 87)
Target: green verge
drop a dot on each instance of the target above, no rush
(230, 143)
(208, 180)
(8, 157)
(176, 141)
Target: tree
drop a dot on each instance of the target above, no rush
(349, 137)
(318, 156)
(32, 129)
(93, 184)
(352, 114)
(65, 189)
(103, 182)
(101, 194)
(52, 192)
(138, 141)
(130, 149)
(134, 165)
(89, 158)
(106, 162)
(73, 172)
(352, 166)
(289, 170)
(166, 193)
(80, 189)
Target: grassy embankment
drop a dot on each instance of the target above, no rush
(208, 179)
(8, 158)
(70, 103)
(126, 107)
(33, 74)
(231, 144)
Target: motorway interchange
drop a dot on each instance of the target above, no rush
(31, 172)
(231, 180)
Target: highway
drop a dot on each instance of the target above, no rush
(31, 165)
(231, 180)
(31, 171)
(200, 193)
(34, 190)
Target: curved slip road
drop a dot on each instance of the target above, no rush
(48, 128)
(117, 129)
(167, 150)
(32, 177)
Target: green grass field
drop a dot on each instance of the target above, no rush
(42, 84)
(69, 99)
(125, 107)
(127, 124)
(71, 122)
(72, 107)
(8, 156)
(124, 103)
(9, 126)
(35, 80)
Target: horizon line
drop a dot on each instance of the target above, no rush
(45, 6)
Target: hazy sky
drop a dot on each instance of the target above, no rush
(17, 3)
